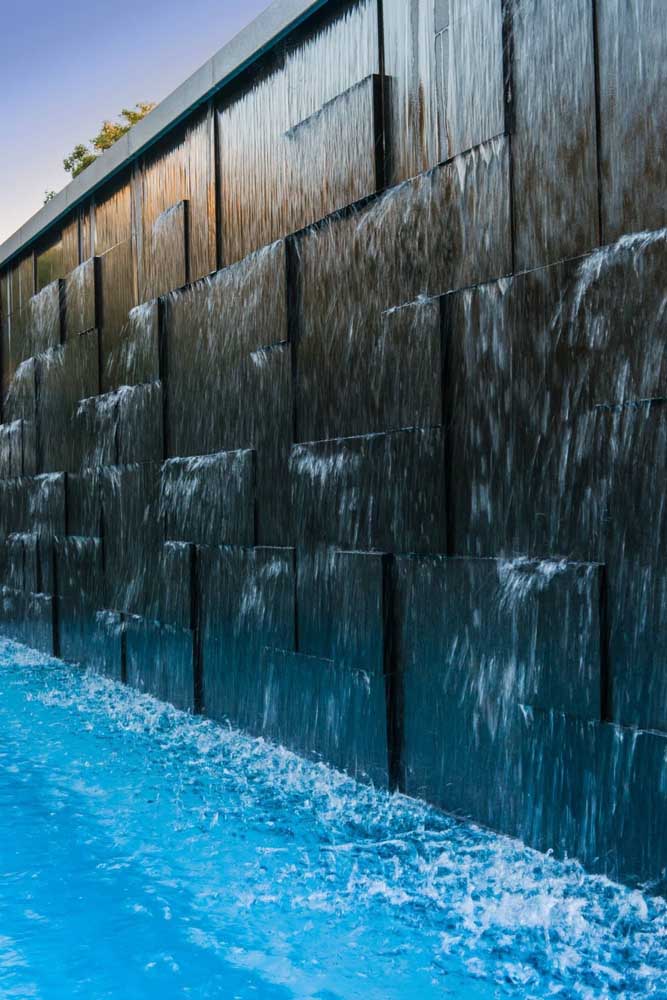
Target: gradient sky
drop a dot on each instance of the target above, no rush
(68, 65)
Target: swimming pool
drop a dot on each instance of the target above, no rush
(145, 853)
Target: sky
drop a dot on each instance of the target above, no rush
(66, 66)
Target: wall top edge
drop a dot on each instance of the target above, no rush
(267, 30)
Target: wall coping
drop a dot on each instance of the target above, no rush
(252, 42)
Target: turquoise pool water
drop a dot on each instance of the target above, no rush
(144, 853)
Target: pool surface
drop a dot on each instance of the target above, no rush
(144, 853)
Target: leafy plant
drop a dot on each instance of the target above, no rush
(110, 132)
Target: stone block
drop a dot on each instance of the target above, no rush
(177, 585)
(247, 603)
(325, 710)
(211, 332)
(65, 376)
(476, 639)
(554, 155)
(443, 230)
(43, 318)
(380, 491)
(130, 511)
(161, 661)
(635, 440)
(343, 607)
(118, 295)
(84, 503)
(632, 40)
(81, 298)
(165, 261)
(131, 355)
(209, 499)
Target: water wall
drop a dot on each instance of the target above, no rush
(340, 414)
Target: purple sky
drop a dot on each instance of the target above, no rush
(65, 67)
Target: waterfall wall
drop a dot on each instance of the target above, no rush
(339, 413)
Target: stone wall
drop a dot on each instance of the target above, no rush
(340, 414)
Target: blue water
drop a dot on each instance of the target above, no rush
(144, 853)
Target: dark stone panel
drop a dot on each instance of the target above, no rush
(20, 404)
(118, 294)
(27, 618)
(5, 451)
(475, 640)
(118, 428)
(266, 425)
(165, 261)
(130, 511)
(14, 506)
(80, 585)
(64, 377)
(247, 603)
(443, 230)
(177, 585)
(554, 153)
(80, 298)
(524, 466)
(140, 424)
(393, 378)
(130, 355)
(340, 142)
(160, 661)
(14, 562)
(636, 555)
(46, 504)
(616, 321)
(380, 491)
(106, 651)
(559, 762)
(472, 104)
(209, 499)
(408, 27)
(84, 503)
(31, 564)
(633, 115)
(43, 318)
(632, 806)
(93, 433)
(326, 710)
(211, 331)
(15, 432)
(342, 607)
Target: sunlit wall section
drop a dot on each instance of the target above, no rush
(300, 141)
(178, 244)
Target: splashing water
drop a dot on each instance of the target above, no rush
(148, 853)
